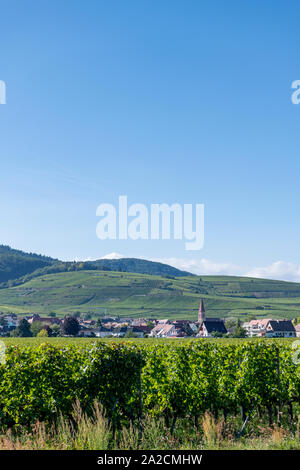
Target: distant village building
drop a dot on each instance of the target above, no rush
(256, 327)
(280, 329)
(11, 320)
(201, 312)
(297, 329)
(270, 328)
(103, 332)
(210, 326)
(163, 330)
(45, 320)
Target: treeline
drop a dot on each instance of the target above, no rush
(173, 381)
(17, 263)
(140, 266)
(17, 267)
(54, 268)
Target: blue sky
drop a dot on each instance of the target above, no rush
(162, 101)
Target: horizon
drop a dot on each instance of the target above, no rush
(178, 264)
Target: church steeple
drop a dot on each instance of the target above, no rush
(201, 312)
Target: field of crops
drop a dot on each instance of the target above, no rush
(164, 379)
(65, 341)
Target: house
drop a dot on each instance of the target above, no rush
(141, 331)
(108, 320)
(103, 331)
(297, 329)
(139, 322)
(88, 323)
(88, 332)
(256, 327)
(10, 320)
(120, 332)
(210, 326)
(185, 328)
(163, 322)
(8, 323)
(163, 330)
(280, 329)
(45, 320)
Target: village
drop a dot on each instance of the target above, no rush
(126, 327)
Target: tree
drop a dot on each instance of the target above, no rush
(129, 334)
(216, 334)
(230, 323)
(239, 331)
(52, 314)
(55, 330)
(23, 329)
(36, 327)
(42, 333)
(70, 326)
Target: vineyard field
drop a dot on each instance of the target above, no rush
(166, 379)
(65, 341)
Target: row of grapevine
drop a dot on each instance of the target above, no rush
(173, 380)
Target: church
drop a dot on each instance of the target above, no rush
(209, 326)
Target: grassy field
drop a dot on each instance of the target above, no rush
(124, 294)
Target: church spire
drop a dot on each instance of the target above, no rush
(201, 312)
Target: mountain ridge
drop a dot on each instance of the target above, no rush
(16, 264)
(114, 286)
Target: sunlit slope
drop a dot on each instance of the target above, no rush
(115, 293)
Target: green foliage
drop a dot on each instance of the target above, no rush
(23, 329)
(43, 333)
(36, 327)
(141, 266)
(216, 334)
(55, 330)
(129, 334)
(175, 379)
(70, 326)
(16, 263)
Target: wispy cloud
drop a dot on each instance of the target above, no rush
(280, 270)
(202, 266)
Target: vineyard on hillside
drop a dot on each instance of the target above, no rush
(173, 381)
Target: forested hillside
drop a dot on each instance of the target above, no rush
(17, 263)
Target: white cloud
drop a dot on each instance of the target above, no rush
(280, 270)
(113, 256)
(202, 266)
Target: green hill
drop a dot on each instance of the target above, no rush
(31, 283)
(17, 263)
(17, 267)
(98, 292)
(141, 266)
